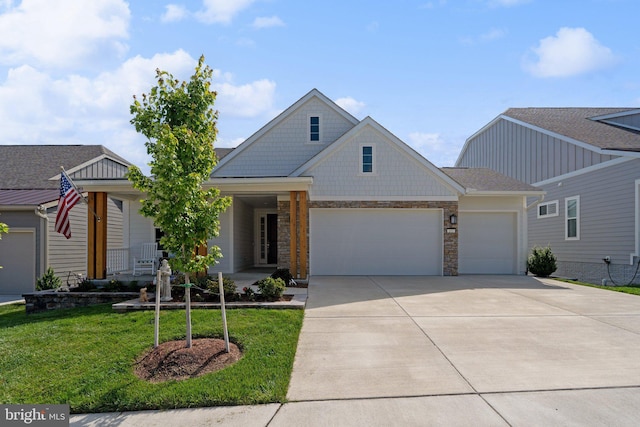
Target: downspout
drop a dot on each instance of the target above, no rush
(41, 211)
(536, 202)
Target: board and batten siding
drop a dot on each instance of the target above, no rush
(509, 148)
(607, 215)
(69, 255)
(104, 168)
(285, 147)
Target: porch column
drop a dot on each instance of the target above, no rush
(97, 236)
(298, 234)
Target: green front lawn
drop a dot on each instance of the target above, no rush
(85, 357)
(634, 290)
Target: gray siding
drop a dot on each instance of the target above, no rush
(632, 120)
(512, 150)
(607, 216)
(243, 225)
(284, 148)
(115, 230)
(69, 255)
(104, 168)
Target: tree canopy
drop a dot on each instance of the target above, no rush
(179, 122)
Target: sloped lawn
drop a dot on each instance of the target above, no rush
(85, 357)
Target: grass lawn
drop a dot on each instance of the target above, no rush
(634, 290)
(85, 357)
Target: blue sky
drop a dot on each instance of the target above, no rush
(432, 72)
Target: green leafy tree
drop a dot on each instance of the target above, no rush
(180, 125)
(4, 228)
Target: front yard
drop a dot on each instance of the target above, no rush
(85, 357)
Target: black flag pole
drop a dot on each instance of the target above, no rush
(84, 199)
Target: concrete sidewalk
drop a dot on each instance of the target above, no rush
(469, 350)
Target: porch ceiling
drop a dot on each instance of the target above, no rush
(260, 201)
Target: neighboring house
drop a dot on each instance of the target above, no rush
(588, 162)
(29, 192)
(320, 192)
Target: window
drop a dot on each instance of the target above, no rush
(366, 159)
(572, 219)
(314, 128)
(548, 209)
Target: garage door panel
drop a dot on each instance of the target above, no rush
(17, 257)
(487, 243)
(375, 242)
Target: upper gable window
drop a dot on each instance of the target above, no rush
(548, 209)
(367, 159)
(314, 128)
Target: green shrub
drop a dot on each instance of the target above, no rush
(48, 281)
(271, 289)
(228, 286)
(542, 262)
(85, 285)
(113, 285)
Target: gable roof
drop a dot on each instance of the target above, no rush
(314, 93)
(31, 167)
(368, 121)
(486, 180)
(585, 125)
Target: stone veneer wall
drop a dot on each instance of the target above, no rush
(450, 251)
(50, 300)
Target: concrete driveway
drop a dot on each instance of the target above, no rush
(468, 350)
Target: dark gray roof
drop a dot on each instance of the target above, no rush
(222, 152)
(576, 123)
(31, 166)
(27, 197)
(483, 179)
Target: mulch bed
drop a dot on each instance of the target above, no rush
(173, 361)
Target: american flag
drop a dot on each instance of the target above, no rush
(69, 196)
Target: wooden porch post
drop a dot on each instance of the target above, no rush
(97, 236)
(303, 235)
(293, 233)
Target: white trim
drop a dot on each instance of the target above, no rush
(588, 169)
(383, 198)
(374, 169)
(566, 217)
(548, 215)
(320, 121)
(493, 193)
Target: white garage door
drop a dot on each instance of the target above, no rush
(487, 243)
(375, 241)
(17, 258)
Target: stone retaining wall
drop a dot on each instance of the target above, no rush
(47, 300)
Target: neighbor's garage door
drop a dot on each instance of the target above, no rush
(487, 243)
(375, 241)
(17, 258)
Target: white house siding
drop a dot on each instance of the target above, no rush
(501, 220)
(115, 233)
(607, 223)
(397, 175)
(509, 148)
(69, 255)
(243, 224)
(224, 242)
(285, 147)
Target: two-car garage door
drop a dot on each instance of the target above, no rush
(375, 241)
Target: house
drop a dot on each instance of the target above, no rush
(29, 192)
(322, 193)
(588, 162)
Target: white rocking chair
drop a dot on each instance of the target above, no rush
(147, 260)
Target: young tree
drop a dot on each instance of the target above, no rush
(180, 125)
(4, 228)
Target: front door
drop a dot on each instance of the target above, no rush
(268, 238)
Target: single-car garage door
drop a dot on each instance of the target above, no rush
(375, 241)
(17, 258)
(487, 243)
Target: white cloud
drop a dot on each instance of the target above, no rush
(174, 13)
(248, 100)
(63, 33)
(221, 11)
(434, 148)
(571, 52)
(267, 22)
(351, 105)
